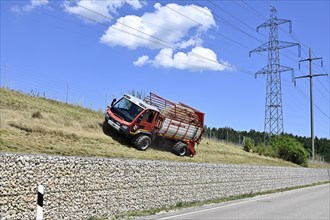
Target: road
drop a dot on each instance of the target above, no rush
(306, 203)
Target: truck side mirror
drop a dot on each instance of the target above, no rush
(113, 102)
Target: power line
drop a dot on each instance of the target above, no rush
(105, 25)
(322, 85)
(236, 42)
(229, 23)
(316, 106)
(298, 40)
(253, 10)
(242, 22)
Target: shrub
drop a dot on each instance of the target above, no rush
(290, 149)
(248, 146)
(268, 151)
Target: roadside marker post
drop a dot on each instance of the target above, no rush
(40, 201)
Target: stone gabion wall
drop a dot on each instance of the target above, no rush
(82, 187)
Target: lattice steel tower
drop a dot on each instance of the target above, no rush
(273, 108)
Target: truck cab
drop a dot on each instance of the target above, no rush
(134, 118)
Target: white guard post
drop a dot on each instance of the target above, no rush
(40, 201)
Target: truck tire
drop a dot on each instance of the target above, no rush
(141, 142)
(180, 149)
(106, 128)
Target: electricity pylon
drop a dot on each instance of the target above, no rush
(273, 107)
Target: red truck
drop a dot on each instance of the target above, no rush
(156, 119)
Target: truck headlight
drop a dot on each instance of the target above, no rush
(125, 127)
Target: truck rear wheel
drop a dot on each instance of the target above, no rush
(141, 142)
(180, 149)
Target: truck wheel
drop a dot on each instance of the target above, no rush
(180, 149)
(141, 142)
(106, 128)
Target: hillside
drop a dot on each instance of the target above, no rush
(40, 126)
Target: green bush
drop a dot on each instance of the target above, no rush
(268, 151)
(290, 149)
(248, 146)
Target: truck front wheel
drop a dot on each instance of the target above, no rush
(180, 149)
(106, 128)
(141, 142)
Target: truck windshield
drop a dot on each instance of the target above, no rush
(126, 109)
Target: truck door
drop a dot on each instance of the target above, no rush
(148, 120)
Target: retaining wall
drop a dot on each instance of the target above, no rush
(81, 187)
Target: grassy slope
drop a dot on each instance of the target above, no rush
(64, 129)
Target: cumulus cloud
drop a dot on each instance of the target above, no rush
(169, 32)
(198, 59)
(29, 7)
(160, 29)
(98, 11)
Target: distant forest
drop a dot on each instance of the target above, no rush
(321, 145)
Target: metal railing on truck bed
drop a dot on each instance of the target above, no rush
(180, 112)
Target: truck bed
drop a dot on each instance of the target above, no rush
(177, 121)
(171, 128)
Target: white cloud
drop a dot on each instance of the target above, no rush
(135, 4)
(193, 41)
(98, 11)
(198, 59)
(160, 29)
(35, 3)
(164, 30)
(167, 30)
(29, 7)
(141, 61)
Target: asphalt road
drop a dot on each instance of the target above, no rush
(306, 203)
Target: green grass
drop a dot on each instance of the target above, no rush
(41, 126)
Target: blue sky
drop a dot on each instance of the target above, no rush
(196, 52)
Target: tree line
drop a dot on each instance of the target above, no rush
(321, 145)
